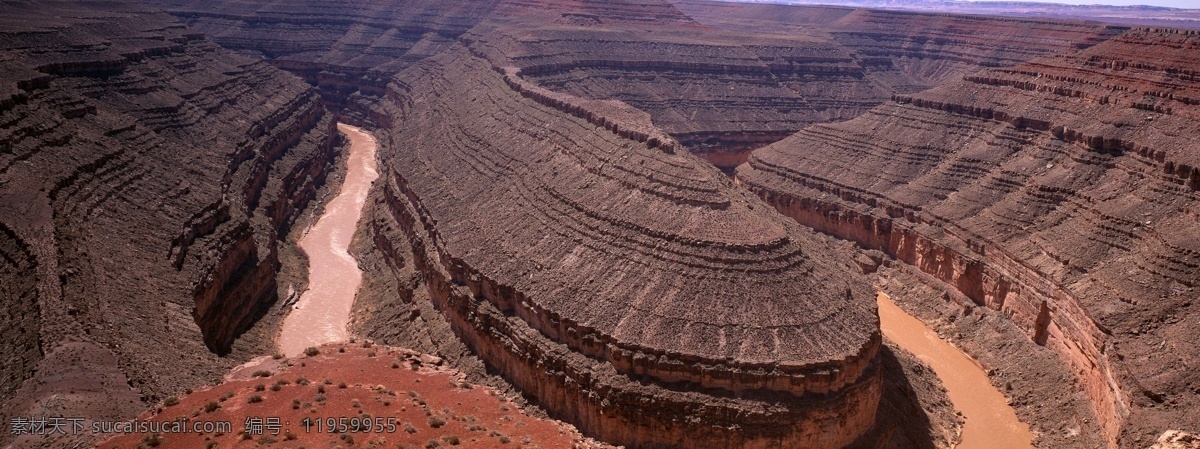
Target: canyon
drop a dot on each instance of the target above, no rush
(989, 421)
(1056, 191)
(662, 222)
(146, 176)
(320, 314)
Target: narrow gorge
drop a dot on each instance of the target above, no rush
(665, 223)
(321, 313)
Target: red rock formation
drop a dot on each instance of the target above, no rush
(721, 81)
(535, 242)
(348, 50)
(1059, 191)
(146, 175)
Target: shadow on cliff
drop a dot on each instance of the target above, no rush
(911, 393)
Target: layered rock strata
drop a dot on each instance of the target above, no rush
(595, 270)
(720, 80)
(1061, 191)
(740, 76)
(349, 51)
(146, 176)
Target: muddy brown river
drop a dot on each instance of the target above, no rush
(990, 422)
(321, 313)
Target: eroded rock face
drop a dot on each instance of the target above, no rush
(349, 50)
(720, 79)
(739, 76)
(1061, 191)
(145, 177)
(554, 244)
(708, 82)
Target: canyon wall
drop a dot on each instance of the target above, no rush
(350, 51)
(527, 213)
(1061, 191)
(666, 76)
(721, 80)
(146, 176)
(738, 76)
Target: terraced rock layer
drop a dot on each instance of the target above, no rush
(721, 80)
(528, 215)
(146, 175)
(744, 75)
(349, 50)
(1061, 191)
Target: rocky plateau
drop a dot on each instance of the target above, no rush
(662, 222)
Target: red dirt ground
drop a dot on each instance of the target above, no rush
(377, 382)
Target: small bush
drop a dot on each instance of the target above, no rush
(320, 388)
(436, 422)
(311, 351)
(277, 356)
(408, 427)
(211, 406)
(260, 387)
(432, 444)
(275, 387)
(171, 401)
(254, 399)
(262, 373)
(153, 440)
(341, 385)
(452, 439)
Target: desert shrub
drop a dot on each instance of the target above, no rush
(436, 422)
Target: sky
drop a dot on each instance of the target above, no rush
(1191, 4)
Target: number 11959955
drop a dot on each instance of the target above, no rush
(349, 425)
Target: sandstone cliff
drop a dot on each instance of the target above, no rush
(720, 80)
(1060, 191)
(146, 175)
(529, 224)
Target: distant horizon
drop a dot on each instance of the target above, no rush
(1182, 4)
(1193, 5)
